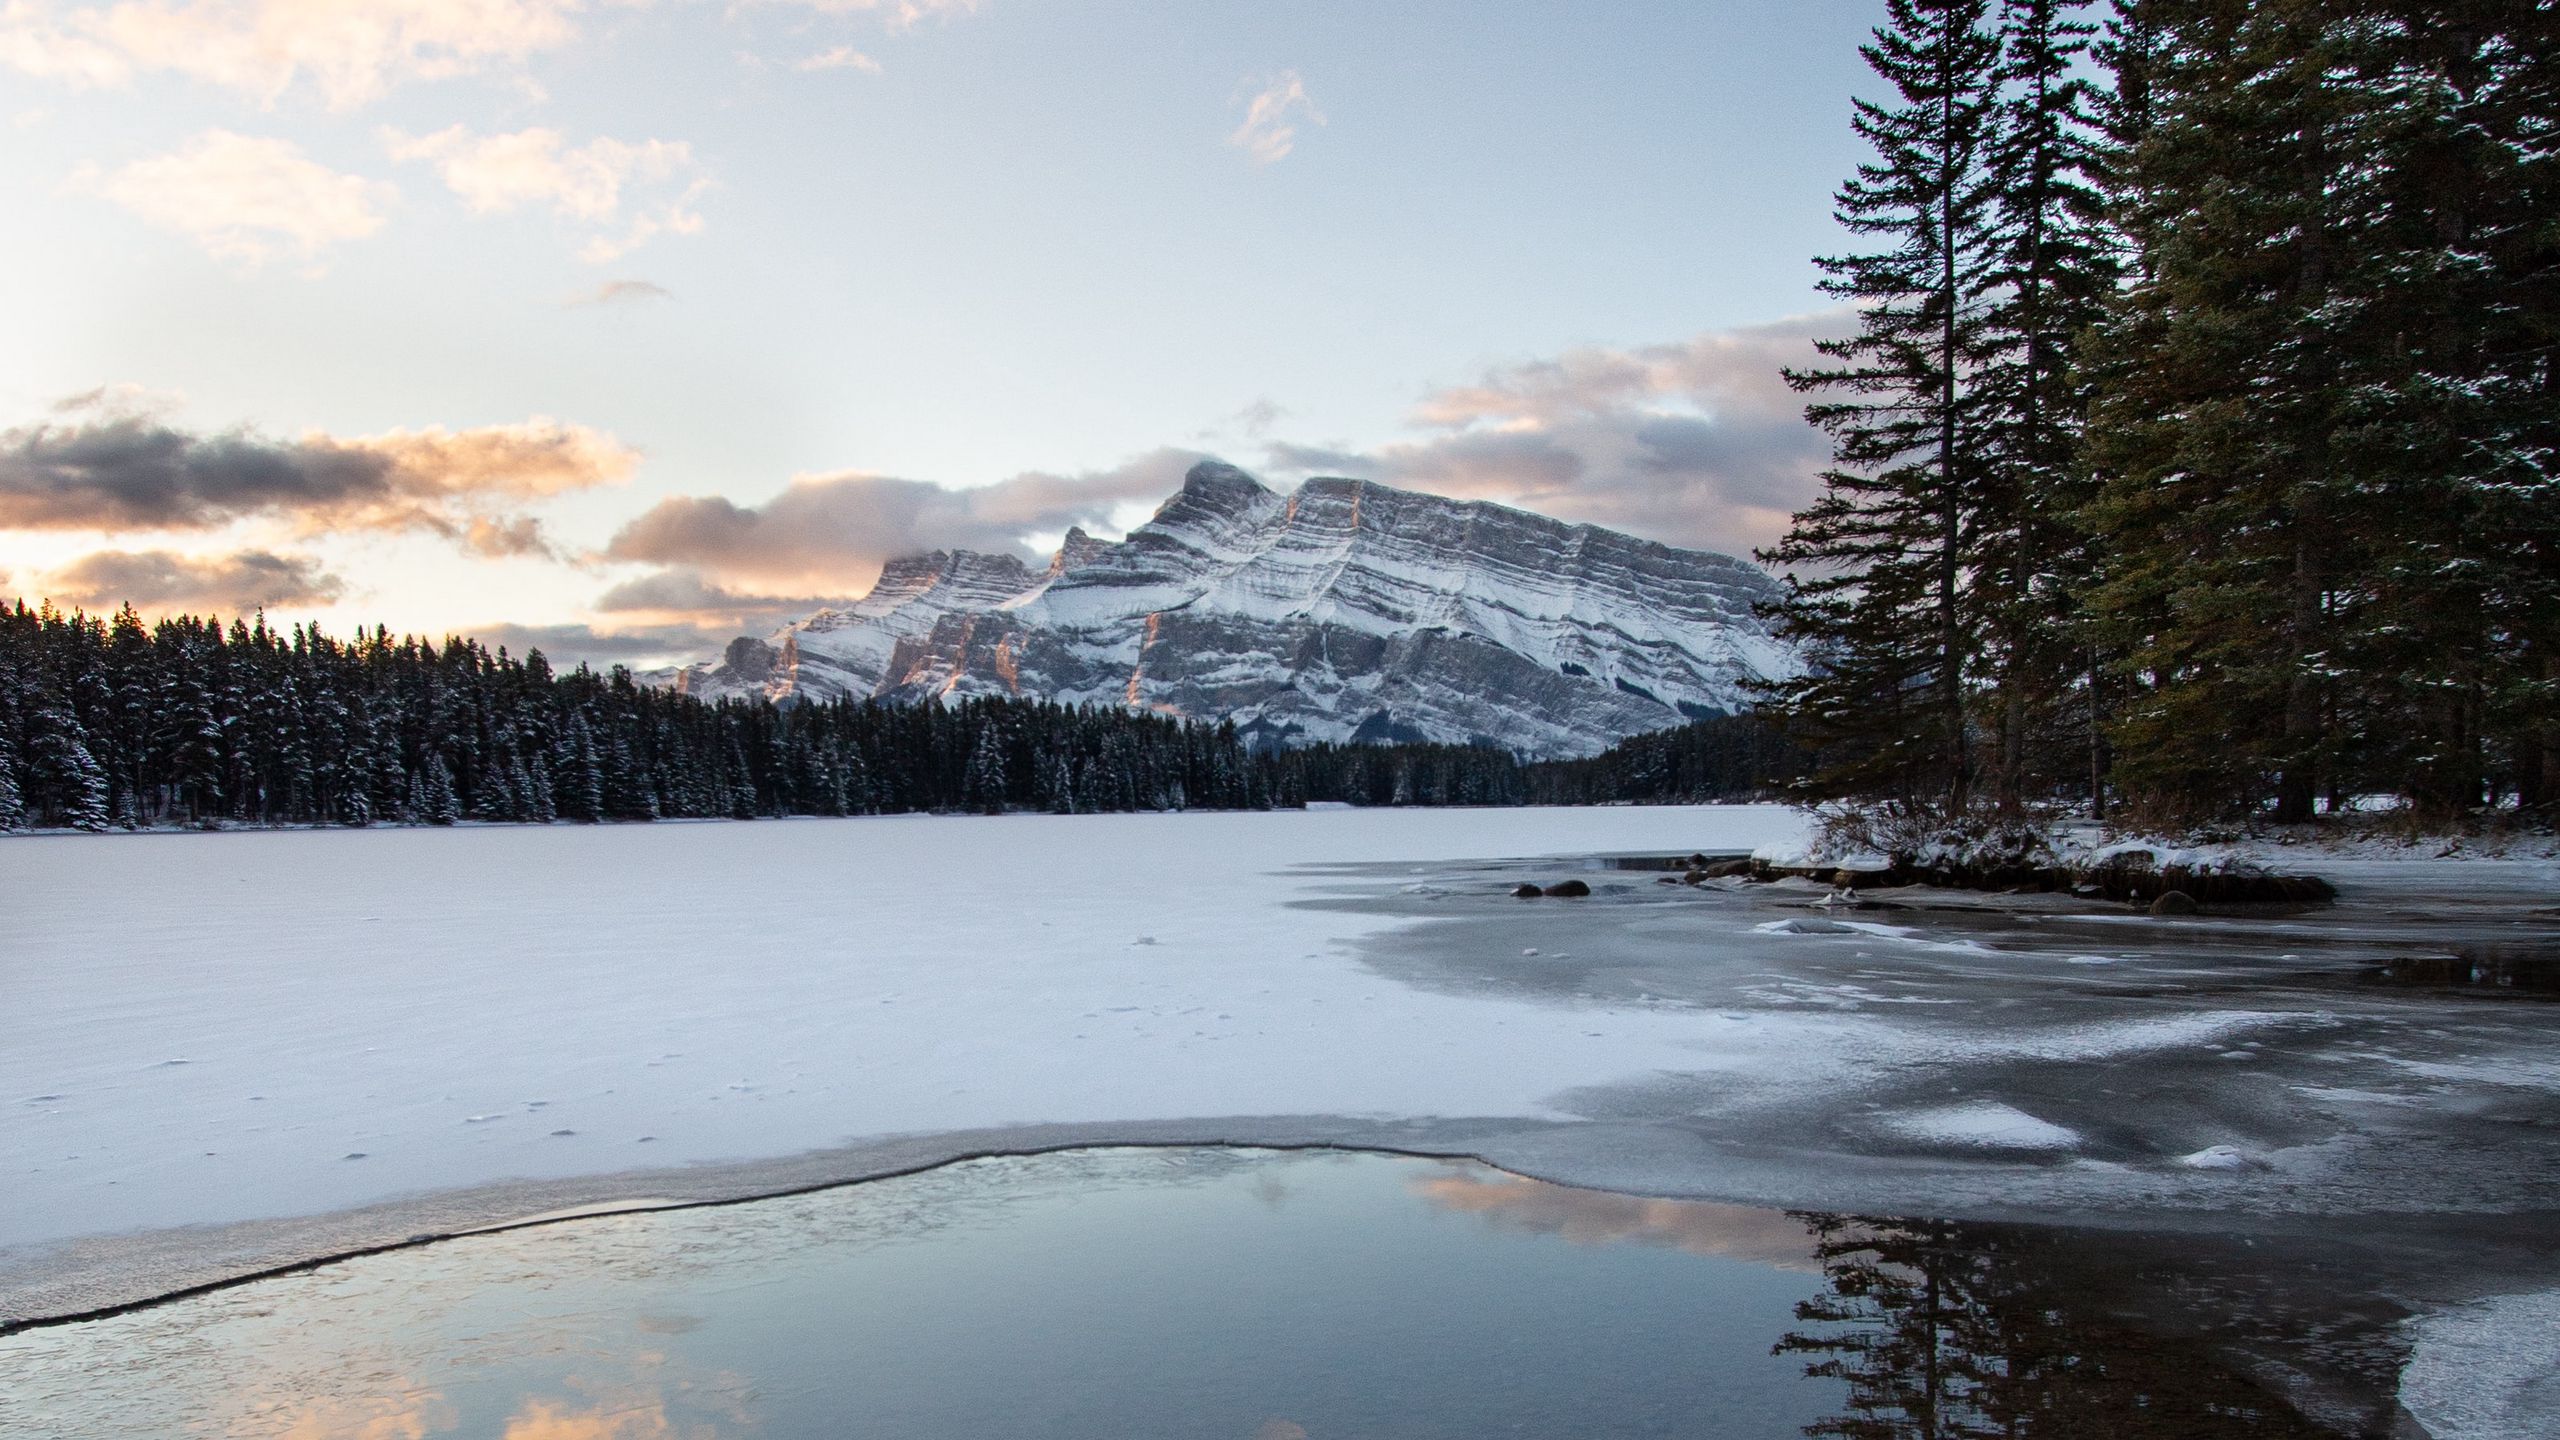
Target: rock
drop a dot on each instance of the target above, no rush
(1526, 892)
(1698, 862)
(1693, 877)
(2174, 902)
(1725, 869)
(1568, 890)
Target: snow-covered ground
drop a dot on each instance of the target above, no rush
(223, 1052)
(201, 1028)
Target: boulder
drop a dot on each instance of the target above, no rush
(1568, 890)
(1526, 892)
(2174, 902)
(1724, 869)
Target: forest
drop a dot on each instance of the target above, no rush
(109, 723)
(2194, 448)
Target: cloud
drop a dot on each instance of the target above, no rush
(640, 646)
(1698, 442)
(689, 592)
(621, 292)
(163, 579)
(109, 469)
(829, 534)
(1271, 118)
(244, 198)
(895, 14)
(352, 51)
(841, 57)
(580, 184)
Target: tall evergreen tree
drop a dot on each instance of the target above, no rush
(13, 806)
(2053, 269)
(2219, 402)
(983, 786)
(1885, 559)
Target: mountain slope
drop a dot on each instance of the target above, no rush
(1343, 610)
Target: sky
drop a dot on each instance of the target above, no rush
(623, 326)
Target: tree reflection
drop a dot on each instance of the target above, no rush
(1946, 1332)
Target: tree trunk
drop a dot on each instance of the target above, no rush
(2297, 785)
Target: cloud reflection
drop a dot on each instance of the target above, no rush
(1596, 1217)
(405, 1414)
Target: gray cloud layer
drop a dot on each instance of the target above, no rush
(104, 469)
(152, 579)
(830, 534)
(1696, 443)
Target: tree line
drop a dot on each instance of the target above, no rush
(2194, 450)
(106, 722)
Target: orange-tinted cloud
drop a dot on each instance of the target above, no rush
(244, 198)
(352, 51)
(585, 186)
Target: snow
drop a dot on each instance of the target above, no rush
(461, 1006)
(1986, 1125)
(1805, 852)
(2222, 1157)
(2487, 1371)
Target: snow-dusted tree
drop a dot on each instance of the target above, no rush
(63, 779)
(983, 786)
(13, 808)
(1885, 560)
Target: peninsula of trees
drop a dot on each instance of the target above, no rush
(2195, 447)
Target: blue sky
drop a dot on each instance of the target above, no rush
(526, 273)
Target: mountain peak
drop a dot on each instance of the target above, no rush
(1078, 548)
(1348, 610)
(1218, 483)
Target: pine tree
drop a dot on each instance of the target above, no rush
(2447, 425)
(438, 805)
(2219, 400)
(13, 807)
(1886, 555)
(2052, 272)
(64, 780)
(984, 785)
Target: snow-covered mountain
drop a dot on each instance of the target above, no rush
(1345, 610)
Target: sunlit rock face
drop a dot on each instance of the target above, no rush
(1345, 610)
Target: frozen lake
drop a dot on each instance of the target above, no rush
(223, 1053)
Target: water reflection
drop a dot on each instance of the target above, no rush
(1948, 1331)
(1140, 1294)
(413, 1415)
(1598, 1217)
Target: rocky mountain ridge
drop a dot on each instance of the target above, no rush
(1342, 610)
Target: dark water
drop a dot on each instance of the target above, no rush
(1195, 1293)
